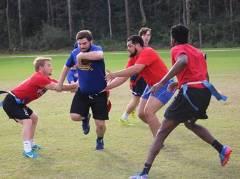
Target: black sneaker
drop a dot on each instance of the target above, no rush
(99, 144)
(85, 124)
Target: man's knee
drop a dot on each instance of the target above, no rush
(100, 125)
(75, 117)
(34, 118)
(189, 124)
(141, 115)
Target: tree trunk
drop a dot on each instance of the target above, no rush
(48, 12)
(144, 20)
(184, 12)
(188, 12)
(51, 12)
(8, 27)
(69, 18)
(110, 19)
(20, 23)
(200, 34)
(231, 18)
(210, 9)
(188, 18)
(127, 17)
(226, 8)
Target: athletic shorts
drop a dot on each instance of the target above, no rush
(181, 110)
(98, 103)
(163, 95)
(139, 87)
(14, 110)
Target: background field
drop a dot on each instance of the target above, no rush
(67, 153)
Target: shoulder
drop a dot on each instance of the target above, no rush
(148, 51)
(75, 51)
(39, 77)
(178, 49)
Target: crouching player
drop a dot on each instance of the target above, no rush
(15, 102)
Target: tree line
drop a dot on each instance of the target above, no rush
(52, 24)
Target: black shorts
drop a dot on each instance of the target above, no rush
(14, 110)
(139, 87)
(98, 103)
(181, 110)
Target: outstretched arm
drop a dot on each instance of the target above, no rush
(62, 78)
(65, 87)
(116, 82)
(180, 64)
(130, 71)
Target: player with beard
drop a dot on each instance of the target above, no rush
(91, 73)
(137, 83)
(146, 62)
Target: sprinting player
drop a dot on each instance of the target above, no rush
(191, 103)
(147, 63)
(137, 83)
(91, 73)
(15, 102)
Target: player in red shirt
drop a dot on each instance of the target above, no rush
(15, 102)
(189, 66)
(147, 63)
(137, 83)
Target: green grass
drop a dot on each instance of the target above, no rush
(67, 153)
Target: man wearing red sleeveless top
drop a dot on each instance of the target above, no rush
(15, 103)
(147, 63)
(189, 66)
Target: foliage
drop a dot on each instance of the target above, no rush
(220, 22)
(48, 38)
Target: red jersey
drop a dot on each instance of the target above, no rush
(32, 88)
(196, 68)
(154, 70)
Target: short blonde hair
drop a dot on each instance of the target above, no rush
(40, 62)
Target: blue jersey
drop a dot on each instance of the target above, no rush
(91, 74)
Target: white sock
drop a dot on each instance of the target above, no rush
(27, 145)
(32, 142)
(125, 116)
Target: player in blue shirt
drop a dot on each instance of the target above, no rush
(91, 79)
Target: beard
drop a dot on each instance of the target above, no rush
(133, 54)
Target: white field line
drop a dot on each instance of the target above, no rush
(117, 53)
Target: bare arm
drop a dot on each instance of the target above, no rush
(182, 61)
(130, 71)
(65, 87)
(62, 77)
(94, 55)
(180, 64)
(116, 82)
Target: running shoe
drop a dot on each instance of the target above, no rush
(32, 154)
(85, 124)
(225, 155)
(99, 144)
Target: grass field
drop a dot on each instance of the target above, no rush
(67, 153)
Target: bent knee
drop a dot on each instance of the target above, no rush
(75, 117)
(189, 125)
(141, 115)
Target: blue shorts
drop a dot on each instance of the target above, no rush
(163, 95)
